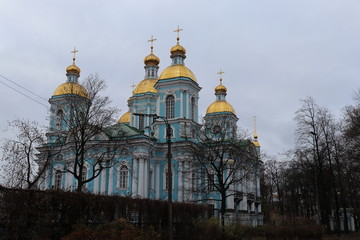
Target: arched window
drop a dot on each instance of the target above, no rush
(170, 106)
(211, 182)
(58, 179)
(193, 108)
(59, 119)
(123, 177)
(216, 129)
(59, 157)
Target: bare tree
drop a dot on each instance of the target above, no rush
(86, 140)
(19, 155)
(221, 162)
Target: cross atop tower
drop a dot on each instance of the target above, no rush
(255, 133)
(74, 52)
(178, 30)
(152, 42)
(220, 73)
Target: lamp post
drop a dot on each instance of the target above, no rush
(169, 176)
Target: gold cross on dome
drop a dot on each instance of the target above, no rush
(74, 52)
(152, 42)
(220, 73)
(178, 35)
(133, 86)
(255, 133)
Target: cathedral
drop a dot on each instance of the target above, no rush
(162, 113)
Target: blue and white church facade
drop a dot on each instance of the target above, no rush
(140, 169)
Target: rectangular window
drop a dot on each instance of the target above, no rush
(58, 179)
(123, 177)
(193, 182)
(141, 122)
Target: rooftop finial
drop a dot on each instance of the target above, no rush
(74, 52)
(152, 43)
(220, 73)
(178, 35)
(255, 133)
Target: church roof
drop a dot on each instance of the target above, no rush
(120, 130)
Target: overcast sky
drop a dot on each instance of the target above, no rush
(273, 53)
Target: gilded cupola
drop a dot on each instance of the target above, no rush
(71, 86)
(125, 118)
(177, 68)
(151, 62)
(152, 59)
(220, 105)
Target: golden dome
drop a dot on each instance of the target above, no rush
(177, 49)
(174, 71)
(73, 69)
(256, 143)
(220, 106)
(220, 88)
(146, 85)
(151, 58)
(125, 118)
(71, 88)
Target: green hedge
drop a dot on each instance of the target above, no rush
(29, 214)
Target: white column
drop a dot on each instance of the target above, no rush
(103, 181)
(111, 181)
(180, 181)
(188, 110)
(181, 103)
(96, 184)
(157, 179)
(134, 178)
(141, 177)
(146, 179)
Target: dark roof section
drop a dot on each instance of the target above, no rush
(121, 130)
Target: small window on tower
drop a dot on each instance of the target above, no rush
(59, 119)
(216, 129)
(141, 122)
(170, 106)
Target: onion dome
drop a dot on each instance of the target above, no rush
(220, 106)
(177, 68)
(220, 89)
(73, 69)
(125, 118)
(71, 88)
(175, 71)
(151, 59)
(146, 85)
(177, 49)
